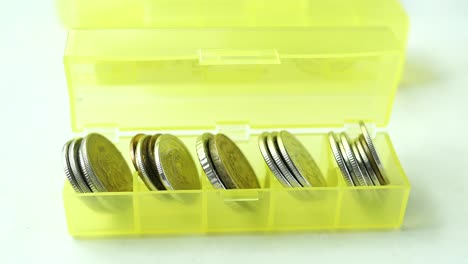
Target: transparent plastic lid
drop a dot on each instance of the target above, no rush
(258, 78)
(231, 13)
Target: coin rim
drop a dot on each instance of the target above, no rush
(96, 185)
(132, 148)
(67, 167)
(335, 146)
(220, 167)
(278, 159)
(143, 171)
(367, 164)
(377, 171)
(362, 167)
(355, 170)
(373, 154)
(267, 157)
(204, 157)
(154, 176)
(159, 164)
(73, 154)
(291, 164)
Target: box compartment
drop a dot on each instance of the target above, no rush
(270, 209)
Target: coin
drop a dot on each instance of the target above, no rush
(373, 157)
(263, 145)
(132, 148)
(73, 154)
(299, 161)
(362, 166)
(376, 169)
(67, 168)
(104, 167)
(151, 160)
(351, 162)
(232, 166)
(203, 153)
(367, 163)
(175, 165)
(337, 153)
(273, 148)
(147, 174)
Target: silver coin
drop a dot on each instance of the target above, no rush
(362, 166)
(145, 171)
(175, 165)
(263, 145)
(351, 162)
(337, 153)
(299, 161)
(104, 167)
(73, 154)
(204, 156)
(367, 163)
(67, 168)
(374, 157)
(280, 163)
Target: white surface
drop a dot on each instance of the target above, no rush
(428, 129)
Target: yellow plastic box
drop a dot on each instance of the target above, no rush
(240, 81)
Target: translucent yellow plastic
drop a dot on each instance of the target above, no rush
(263, 78)
(270, 209)
(232, 13)
(321, 68)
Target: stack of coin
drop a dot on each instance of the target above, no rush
(224, 163)
(94, 164)
(163, 162)
(358, 160)
(289, 160)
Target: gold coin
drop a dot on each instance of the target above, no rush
(232, 166)
(299, 161)
(103, 165)
(176, 168)
(145, 170)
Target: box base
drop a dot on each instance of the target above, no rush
(270, 209)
